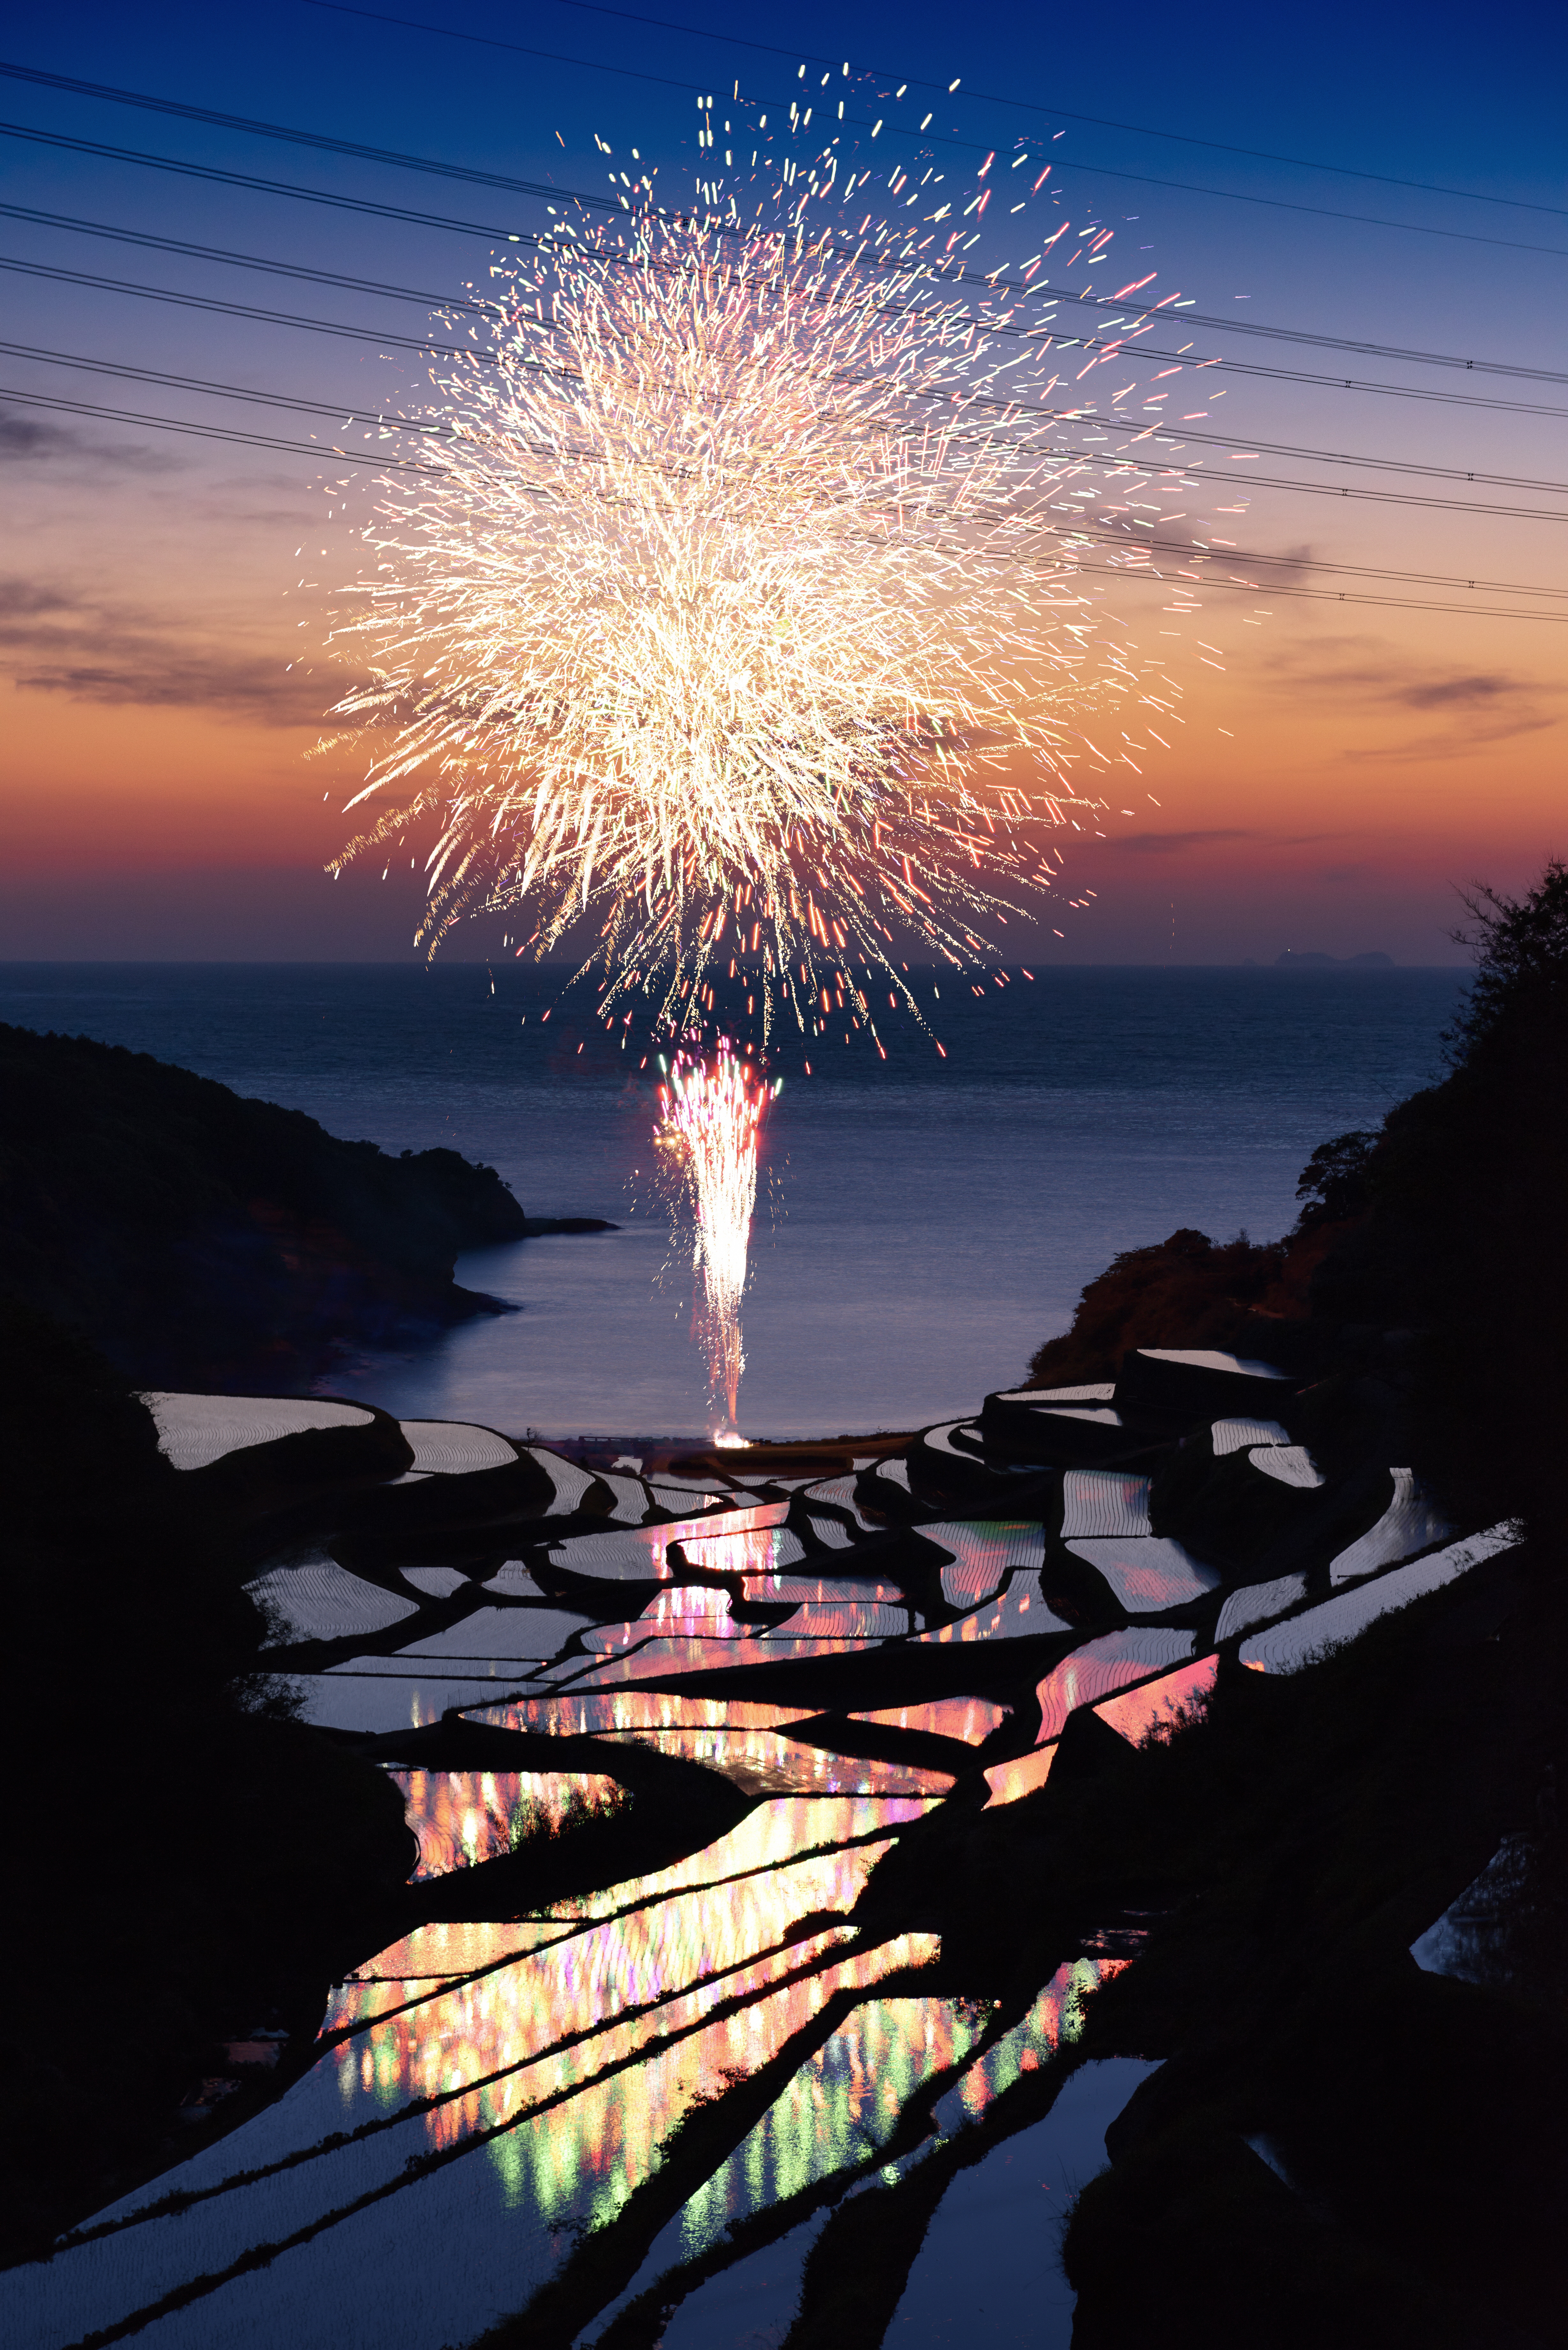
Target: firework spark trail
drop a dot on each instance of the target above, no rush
(741, 575)
(709, 1120)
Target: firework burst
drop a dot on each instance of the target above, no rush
(737, 625)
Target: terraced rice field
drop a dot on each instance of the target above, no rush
(530, 2098)
(194, 1431)
(1148, 1573)
(1410, 1523)
(322, 1601)
(446, 1448)
(1100, 1503)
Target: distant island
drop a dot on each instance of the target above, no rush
(1312, 959)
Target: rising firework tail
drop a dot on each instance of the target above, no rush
(711, 1114)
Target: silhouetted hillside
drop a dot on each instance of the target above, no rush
(203, 1239)
(1429, 1255)
(211, 1859)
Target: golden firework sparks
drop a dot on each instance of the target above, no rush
(739, 623)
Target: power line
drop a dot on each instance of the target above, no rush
(1195, 317)
(120, 235)
(209, 431)
(213, 303)
(1371, 497)
(110, 95)
(546, 241)
(1247, 368)
(316, 449)
(1287, 449)
(1388, 603)
(318, 140)
(385, 424)
(136, 372)
(1216, 551)
(425, 346)
(298, 402)
(984, 97)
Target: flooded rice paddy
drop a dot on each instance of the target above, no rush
(633, 2098)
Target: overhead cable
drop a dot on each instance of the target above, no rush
(547, 241)
(972, 97)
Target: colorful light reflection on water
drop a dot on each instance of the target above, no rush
(839, 2109)
(1054, 2021)
(1019, 1611)
(767, 1762)
(1159, 1706)
(461, 1818)
(631, 1709)
(594, 1999)
(732, 1541)
(773, 1833)
(608, 2137)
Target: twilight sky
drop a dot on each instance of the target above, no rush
(1342, 764)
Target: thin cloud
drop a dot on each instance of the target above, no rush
(1483, 706)
(1293, 565)
(23, 599)
(1468, 691)
(54, 640)
(1168, 844)
(26, 440)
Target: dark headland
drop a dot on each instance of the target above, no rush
(200, 1238)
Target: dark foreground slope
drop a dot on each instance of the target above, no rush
(186, 1862)
(205, 1240)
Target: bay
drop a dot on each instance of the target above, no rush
(925, 1221)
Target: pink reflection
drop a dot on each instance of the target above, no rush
(846, 1620)
(452, 1946)
(1055, 2020)
(1101, 1667)
(731, 1541)
(607, 2134)
(725, 1521)
(969, 1718)
(461, 1818)
(763, 1761)
(1157, 1708)
(687, 1610)
(667, 1658)
(822, 1590)
(771, 1837)
(1020, 1611)
(629, 1708)
(491, 2046)
(1007, 1781)
(756, 1550)
(983, 1550)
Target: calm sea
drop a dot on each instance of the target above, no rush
(925, 1222)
